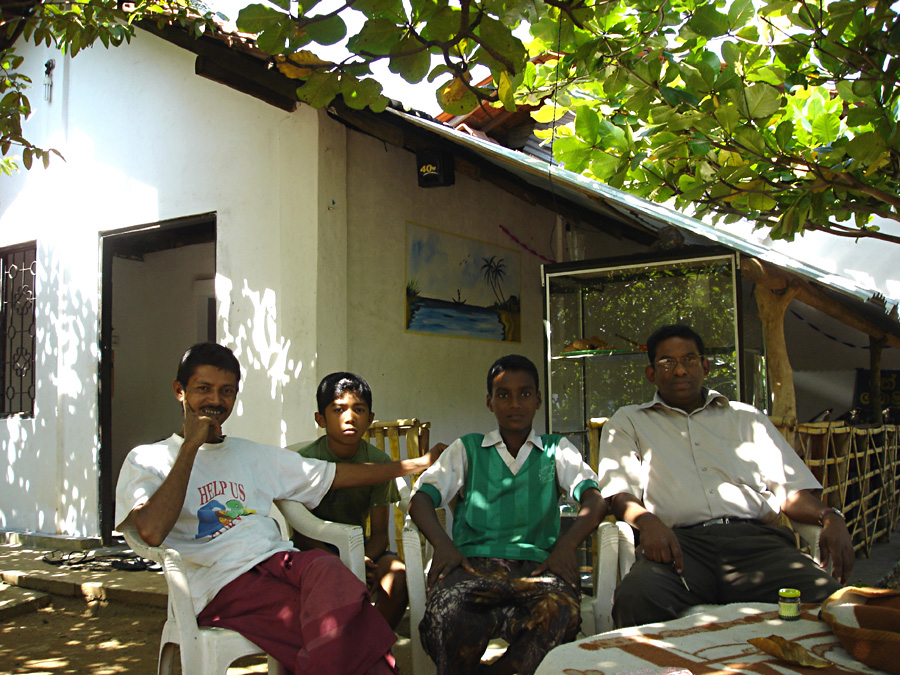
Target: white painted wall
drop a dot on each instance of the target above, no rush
(435, 378)
(146, 140)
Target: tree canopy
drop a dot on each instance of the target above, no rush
(782, 112)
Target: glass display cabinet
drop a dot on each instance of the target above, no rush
(598, 315)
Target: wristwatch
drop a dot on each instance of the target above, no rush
(827, 511)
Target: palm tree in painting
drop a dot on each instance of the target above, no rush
(494, 270)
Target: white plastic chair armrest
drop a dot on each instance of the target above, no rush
(180, 605)
(606, 574)
(347, 538)
(809, 534)
(415, 585)
(626, 547)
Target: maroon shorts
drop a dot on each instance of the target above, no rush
(309, 612)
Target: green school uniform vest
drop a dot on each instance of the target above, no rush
(501, 515)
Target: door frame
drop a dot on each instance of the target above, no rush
(130, 242)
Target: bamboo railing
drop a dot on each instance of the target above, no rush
(859, 468)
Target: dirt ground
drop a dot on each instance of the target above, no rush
(98, 638)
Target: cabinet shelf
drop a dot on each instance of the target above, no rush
(597, 352)
(709, 352)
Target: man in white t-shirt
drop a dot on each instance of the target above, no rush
(702, 479)
(208, 496)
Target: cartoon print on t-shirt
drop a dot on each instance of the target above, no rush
(214, 517)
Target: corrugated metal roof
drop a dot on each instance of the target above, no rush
(607, 200)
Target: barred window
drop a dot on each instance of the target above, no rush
(17, 347)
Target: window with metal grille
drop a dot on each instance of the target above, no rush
(17, 346)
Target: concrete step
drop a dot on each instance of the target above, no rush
(16, 601)
(26, 569)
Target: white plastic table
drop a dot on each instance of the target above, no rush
(713, 641)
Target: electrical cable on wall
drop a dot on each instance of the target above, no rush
(553, 132)
(524, 245)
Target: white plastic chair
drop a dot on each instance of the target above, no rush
(416, 569)
(210, 651)
(617, 558)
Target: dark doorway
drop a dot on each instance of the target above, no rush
(157, 298)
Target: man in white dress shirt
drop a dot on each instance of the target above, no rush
(702, 479)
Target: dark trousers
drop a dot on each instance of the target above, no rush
(737, 562)
(465, 611)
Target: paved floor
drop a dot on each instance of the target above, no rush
(27, 582)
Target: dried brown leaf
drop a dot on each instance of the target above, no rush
(792, 652)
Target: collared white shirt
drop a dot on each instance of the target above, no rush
(448, 474)
(725, 459)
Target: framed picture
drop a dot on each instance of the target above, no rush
(461, 287)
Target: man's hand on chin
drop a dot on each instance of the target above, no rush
(199, 429)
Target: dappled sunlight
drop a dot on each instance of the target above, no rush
(258, 342)
(71, 636)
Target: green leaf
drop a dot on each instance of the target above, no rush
(587, 124)
(456, 98)
(272, 41)
(826, 127)
(750, 138)
(497, 36)
(791, 54)
(866, 148)
(320, 89)
(698, 147)
(358, 94)
(572, 153)
(506, 90)
(731, 53)
(861, 115)
(761, 201)
(757, 101)
(784, 134)
(548, 113)
(377, 37)
(443, 25)
(328, 32)
(414, 66)
(372, 8)
(603, 165)
(740, 12)
(864, 87)
(709, 22)
(259, 18)
(729, 117)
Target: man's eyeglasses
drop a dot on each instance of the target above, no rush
(668, 365)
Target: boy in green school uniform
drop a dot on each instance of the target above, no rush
(506, 572)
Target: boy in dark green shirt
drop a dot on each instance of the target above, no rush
(345, 412)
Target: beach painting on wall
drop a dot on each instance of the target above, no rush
(461, 287)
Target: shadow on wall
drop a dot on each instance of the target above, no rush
(254, 337)
(50, 483)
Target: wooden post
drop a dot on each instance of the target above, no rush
(875, 346)
(772, 304)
